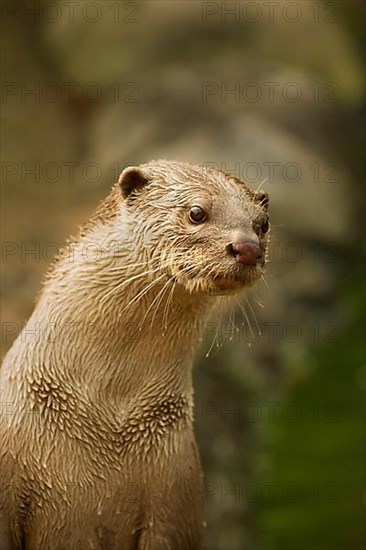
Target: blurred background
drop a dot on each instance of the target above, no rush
(270, 91)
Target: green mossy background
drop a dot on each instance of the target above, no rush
(280, 423)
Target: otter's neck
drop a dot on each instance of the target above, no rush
(113, 330)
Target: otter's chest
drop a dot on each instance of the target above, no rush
(151, 502)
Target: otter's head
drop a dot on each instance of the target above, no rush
(203, 228)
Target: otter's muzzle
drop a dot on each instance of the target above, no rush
(245, 253)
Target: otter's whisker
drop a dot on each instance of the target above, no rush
(246, 318)
(258, 188)
(153, 302)
(160, 297)
(218, 323)
(123, 283)
(232, 323)
(168, 303)
(127, 267)
(257, 299)
(263, 280)
(254, 315)
(144, 291)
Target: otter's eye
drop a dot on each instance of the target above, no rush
(264, 226)
(197, 214)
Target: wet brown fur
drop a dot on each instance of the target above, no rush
(98, 449)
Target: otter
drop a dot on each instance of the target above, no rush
(98, 448)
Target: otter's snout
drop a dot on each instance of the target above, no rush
(246, 253)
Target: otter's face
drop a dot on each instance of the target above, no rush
(209, 231)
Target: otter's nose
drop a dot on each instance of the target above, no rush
(247, 253)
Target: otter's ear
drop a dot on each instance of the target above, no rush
(131, 179)
(262, 198)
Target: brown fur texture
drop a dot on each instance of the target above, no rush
(98, 449)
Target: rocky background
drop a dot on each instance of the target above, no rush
(271, 91)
